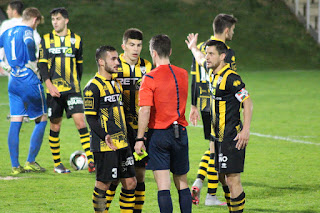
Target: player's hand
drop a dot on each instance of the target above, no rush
(243, 139)
(192, 40)
(54, 92)
(5, 66)
(138, 147)
(194, 115)
(109, 143)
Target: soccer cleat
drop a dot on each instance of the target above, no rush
(61, 169)
(33, 167)
(17, 170)
(91, 167)
(195, 194)
(212, 200)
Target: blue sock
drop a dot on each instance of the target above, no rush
(164, 201)
(13, 142)
(36, 140)
(185, 200)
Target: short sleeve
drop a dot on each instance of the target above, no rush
(234, 83)
(91, 96)
(146, 91)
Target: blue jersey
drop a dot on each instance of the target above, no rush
(19, 47)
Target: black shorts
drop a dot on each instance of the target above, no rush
(206, 120)
(72, 103)
(131, 135)
(228, 158)
(167, 152)
(113, 165)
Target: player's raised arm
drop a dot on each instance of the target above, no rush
(192, 45)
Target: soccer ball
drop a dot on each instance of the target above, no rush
(78, 160)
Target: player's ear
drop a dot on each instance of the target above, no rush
(66, 20)
(226, 31)
(222, 56)
(123, 46)
(170, 52)
(100, 62)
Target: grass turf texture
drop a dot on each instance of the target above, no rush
(280, 176)
(276, 177)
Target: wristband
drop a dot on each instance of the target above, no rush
(140, 139)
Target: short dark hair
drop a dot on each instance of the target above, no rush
(32, 12)
(132, 33)
(223, 21)
(220, 46)
(161, 44)
(17, 5)
(63, 11)
(101, 51)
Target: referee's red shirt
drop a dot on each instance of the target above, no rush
(165, 89)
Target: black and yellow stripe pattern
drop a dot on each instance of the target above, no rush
(64, 57)
(54, 142)
(110, 194)
(212, 176)
(237, 204)
(225, 106)
(103, 98)
(227, 196)
(130, 79)
(126, 200)
(99, 200)
(85, 143)
(200, 88)
(203, 165)
(140, 194)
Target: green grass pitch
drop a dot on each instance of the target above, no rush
(282, 160)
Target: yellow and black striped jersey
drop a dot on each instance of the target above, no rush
(63, 56)
(226, 87)
(200, 91)
(103, 98)
(130, 78)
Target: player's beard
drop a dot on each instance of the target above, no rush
(108, 69)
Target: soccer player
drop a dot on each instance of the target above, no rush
(130, 72)
(162, 98)
(61, 68)
(14, 12)
(223, 27)
(231, 135)
(105, 115)
(26, 95)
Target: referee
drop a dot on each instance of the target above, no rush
(162, 98)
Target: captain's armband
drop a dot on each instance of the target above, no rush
(242, 94)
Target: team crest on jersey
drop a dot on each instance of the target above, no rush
(51, 41)
(28, 34)
(72, 40)
(143, 69)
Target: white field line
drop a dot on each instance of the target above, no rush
(280, 137)
(4, 104)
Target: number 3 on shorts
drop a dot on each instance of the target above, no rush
(114, 173)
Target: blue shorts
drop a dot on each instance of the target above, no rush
(26, 99)
(166, 152)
